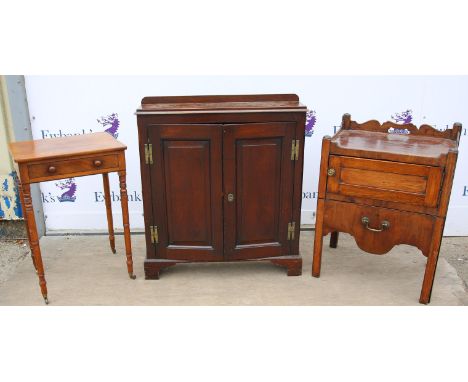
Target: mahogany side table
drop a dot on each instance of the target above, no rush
(68, 157)
(386, 184)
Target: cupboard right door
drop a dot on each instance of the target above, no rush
(258, 189)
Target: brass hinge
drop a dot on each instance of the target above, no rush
(295, 149)
(154, 234)
(291, 229)
(148, 153)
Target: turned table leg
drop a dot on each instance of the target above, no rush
(431, 265)
(20, 189)
(318, 242)
(126, 224)
(110, 222)
(334, 239)
(33, 238)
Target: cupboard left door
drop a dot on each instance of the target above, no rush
(186, 189)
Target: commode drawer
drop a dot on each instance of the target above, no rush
(384, 180)
(377, 230)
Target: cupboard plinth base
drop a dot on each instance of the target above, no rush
(293, 264)
(153, 267)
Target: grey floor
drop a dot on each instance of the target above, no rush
(81, 270)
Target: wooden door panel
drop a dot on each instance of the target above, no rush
(258, 190)
(188, 191)
(187, 175)
(368, 178)
(258, 171)
(384, 180)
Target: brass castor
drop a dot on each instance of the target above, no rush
(132, 276)
(114, 251)
(46, 300)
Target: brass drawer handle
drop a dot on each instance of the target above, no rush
(331, 172)
(98, 163)
(51, 169)
(383, 226)
(230, 197)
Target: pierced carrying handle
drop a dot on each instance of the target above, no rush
(383, 226)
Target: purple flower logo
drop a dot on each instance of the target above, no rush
(311, 118)
(111, 123)
(69, 186)
(403, 117)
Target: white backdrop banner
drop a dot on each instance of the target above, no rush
(67, 105)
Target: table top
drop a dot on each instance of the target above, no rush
(368, 144)
(64, 147)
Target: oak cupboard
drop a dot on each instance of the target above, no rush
(386, 184)
(221, 179)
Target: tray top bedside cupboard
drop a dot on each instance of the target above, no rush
(221, 179)
(68, 157)
(386, 184)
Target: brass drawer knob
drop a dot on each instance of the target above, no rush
(51, 169)
(383, 226)
(331, 172)
(98, 163)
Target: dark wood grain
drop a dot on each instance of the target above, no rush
(386, 188)
(188, 199)
(334, 239)
(220, 104)
(258, 171)
(298, 183)
(148, 207)
(221, 117)
(207, 147)
(154, 267)
(219, 98)
(188, 193)
(293, 264)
